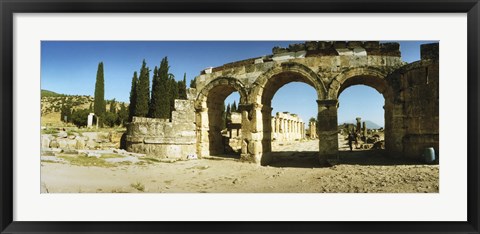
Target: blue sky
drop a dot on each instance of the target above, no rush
(70, 67)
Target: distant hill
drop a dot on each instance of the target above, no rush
(48, 93)
(52, 102)
(370, 124)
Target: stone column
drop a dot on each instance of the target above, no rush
(364, 129)
(90, 120)
(252, 132)
(327, 130)
(267, 129)
(203, 141)
(359, 125)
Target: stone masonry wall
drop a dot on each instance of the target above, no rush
(415, 116)
(160, 138)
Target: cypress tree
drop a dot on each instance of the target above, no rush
(234, 106)
(173, 94)
(228, 114)
(193, 83)
(224, 117)
(164, 102)
(143, 92)
(133, 97)
(155, 110)
(182, 87)
(99, 98)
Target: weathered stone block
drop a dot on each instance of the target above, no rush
(429, 51)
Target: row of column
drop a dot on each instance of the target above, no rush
(287, 127)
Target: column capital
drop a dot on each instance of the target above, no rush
(327, 102)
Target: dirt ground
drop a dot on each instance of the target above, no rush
(294, 169)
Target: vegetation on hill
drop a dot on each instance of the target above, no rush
(48, 93)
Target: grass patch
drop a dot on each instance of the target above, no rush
(138, 186)
(104, 156)
(86, 161)
(49, 131)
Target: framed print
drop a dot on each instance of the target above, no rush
(254, 117)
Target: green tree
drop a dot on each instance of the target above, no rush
(122, 115)
(79, 117)
(65, 113)
(110, 119)
(224, 117)
(193, 83)
(91, 107)
(99, 98)
(173, 93)
(182, 87)
(113, 106)
(164, 89)
(228, 114)
(154, 109)
(234, 106)
(143, 92)
(133, 97)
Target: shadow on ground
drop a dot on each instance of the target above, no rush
(309, 159)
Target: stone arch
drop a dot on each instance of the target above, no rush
(263, 90)
(297, 72)
(229, 83)
(371, 77)
(209, 106)
(368, 76)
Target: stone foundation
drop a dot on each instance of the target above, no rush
(160, 138)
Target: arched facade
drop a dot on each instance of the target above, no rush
(209, 107)
(410, 92)
(329, 68)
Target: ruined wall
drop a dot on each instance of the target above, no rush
(414, 116)
(161, 138)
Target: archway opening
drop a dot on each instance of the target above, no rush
(361, 122)
(224, 121)
(288, 103)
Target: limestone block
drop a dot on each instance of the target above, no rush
(91, 144)
(71, 143)
(62, 134)
(80, 144)
(54, 144)
(311, 45)
(62, 143)
(45, 141)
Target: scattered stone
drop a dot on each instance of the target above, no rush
(62, 134)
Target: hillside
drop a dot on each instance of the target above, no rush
(52, 102)
(48, 93)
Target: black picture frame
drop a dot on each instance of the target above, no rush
(9, 7)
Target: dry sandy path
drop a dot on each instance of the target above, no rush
(293, 170)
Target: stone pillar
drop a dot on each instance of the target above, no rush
(252, 132)
(394, 128)
(277, 125)
(364, 129)
(90, 120)
(359, 125)
(203, 140)
(327, 130)
(267, 129)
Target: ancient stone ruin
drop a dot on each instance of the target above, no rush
(410, 92)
